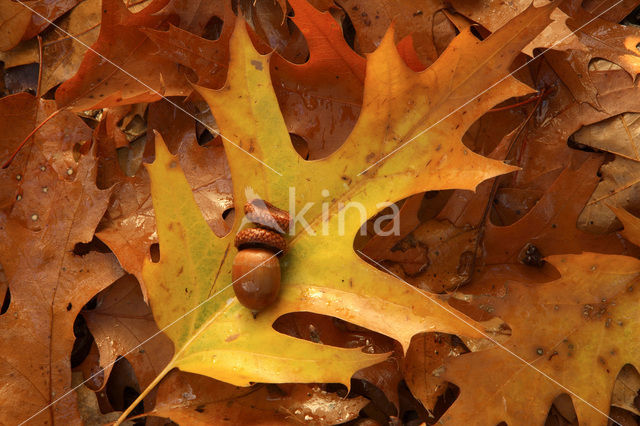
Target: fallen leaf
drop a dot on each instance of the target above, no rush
(371, 20)
(55, 206)
(122, 325)
(62, 54)
(325, 111)
(88, 405)
(332, 80)
(494, 14)
(101, 83)
(325, 330)
(577, 331)
(626, 389)
(603, 40)
(619, 188)
(550, 225)
(207, 58)
(619, 135)
(562, 117)
(24, 21)
(190, 253)
(192, 399)
(423, 362)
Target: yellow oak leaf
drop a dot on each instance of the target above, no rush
(407, 140)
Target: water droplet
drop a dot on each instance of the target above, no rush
(34, 217)
(45, 189)
(18, 177)
(69, 171)
(43, 168)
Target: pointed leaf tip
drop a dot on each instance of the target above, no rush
(162, 152)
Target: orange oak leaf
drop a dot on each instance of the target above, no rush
(56, 205)
(551, 224)
(631, 224)
(563, 116)
(131, 72)
(320, 99)
(207, 58)
(198, 400)
(122, 325)
(23, 21)
(600, 39)
(576, 332)
(417, 18)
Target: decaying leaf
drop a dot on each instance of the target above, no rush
(55, 205)
(626, 389)
(23, 21)
(122, 325)
(125, 76)
(198, 400)
(619, 187)
(619, 135)
(550, 225)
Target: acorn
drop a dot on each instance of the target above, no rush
(256, 268)
(256, 278)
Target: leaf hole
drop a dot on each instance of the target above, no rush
(130, 157)
(562, 411)
(229, 216)
(301, 145)
(82, 249)
(626, 389)
(122, 387)
(91, 304)
(82, 343)
(80, 149)
(601, 64)
(348, 30)
(633, 18)
(378, 400)
(6, 301)
(475, 30)
(154, 252)
(213, 28)
(205, 137)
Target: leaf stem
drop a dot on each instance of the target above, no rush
(40, 67)
(541, 94)
(145, 392)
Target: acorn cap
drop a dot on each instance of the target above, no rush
(260, 238)
(266, 215)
